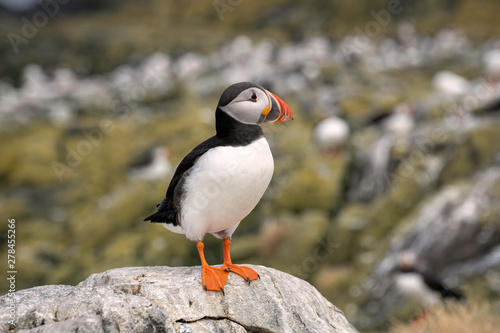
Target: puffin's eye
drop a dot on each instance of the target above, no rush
(254, 97)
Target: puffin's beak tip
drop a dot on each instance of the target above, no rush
(281, 109)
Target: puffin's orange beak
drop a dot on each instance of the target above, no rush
(280, 111)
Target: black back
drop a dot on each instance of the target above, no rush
(436, 285)
(446, 293)
(230, 132)
(493, 106)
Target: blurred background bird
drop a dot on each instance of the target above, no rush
(428, 292)
(418, 286)
(152, 165)
(86, 86)
(331, 135)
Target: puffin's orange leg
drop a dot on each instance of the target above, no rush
(420, 319)
(246, 272)
(212, 278)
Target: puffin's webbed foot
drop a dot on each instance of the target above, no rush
(213, 278)
(245, 272)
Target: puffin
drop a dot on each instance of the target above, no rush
(451, 84)
(399, 121)
(222, 179)
(418, 286)
(155, 165)
(330, 134)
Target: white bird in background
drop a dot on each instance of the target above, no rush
(331, 134)
(401, 121)
(156, 165)
(491, 59)
(451, 84)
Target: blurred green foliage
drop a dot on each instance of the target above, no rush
(112, 33)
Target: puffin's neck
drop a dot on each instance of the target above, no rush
(234, 132)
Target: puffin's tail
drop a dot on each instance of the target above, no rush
(167, 216)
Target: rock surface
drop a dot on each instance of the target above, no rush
(164, 299)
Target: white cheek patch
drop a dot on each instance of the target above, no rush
(246, 111)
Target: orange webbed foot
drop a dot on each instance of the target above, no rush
(213, 278)
(245, 272)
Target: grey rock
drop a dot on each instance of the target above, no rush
(165, 299)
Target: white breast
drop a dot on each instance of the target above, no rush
(223, 187)
(413, 286)
(331, 132)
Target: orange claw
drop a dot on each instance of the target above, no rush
(212, 278)
(246, 272)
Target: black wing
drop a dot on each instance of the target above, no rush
(446, 293)
(493, 106)
(168, 209)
